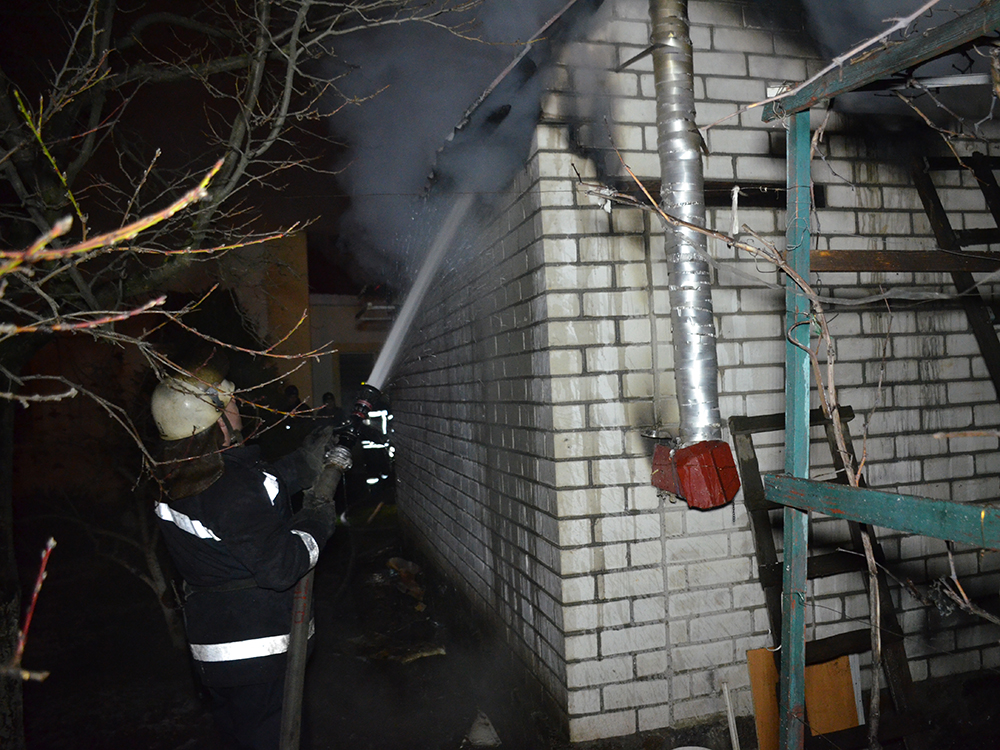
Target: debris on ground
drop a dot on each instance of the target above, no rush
(407, 572)
(482, 734)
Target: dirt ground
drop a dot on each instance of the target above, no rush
(398, 665)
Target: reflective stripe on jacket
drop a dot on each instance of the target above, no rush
(241, 551)
(249, 649)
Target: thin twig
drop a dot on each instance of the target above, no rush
(14, 668)
(103, 319)
(37, 252)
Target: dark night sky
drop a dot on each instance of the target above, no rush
(425, 79)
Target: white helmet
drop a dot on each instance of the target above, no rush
(183, 406)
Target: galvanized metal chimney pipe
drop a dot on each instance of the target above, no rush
(682, 196)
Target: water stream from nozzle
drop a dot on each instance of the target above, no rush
(442, 242)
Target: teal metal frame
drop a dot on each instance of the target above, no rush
(880, 62)
(967, 523)
(797, 389)
(974, 525)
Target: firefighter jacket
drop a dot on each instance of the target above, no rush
(241, 551)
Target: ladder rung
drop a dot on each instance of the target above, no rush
(755, 505)
(819, 566)
(951, 164)
(842, 644)
(834, 563)
(770, 570)
(775, 422)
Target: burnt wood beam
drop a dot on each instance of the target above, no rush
(981, 320)
(950, 163)
(976, 310)
(982, 169)
(871, 66)
(774, 422)
(905, 261)
(979, 236)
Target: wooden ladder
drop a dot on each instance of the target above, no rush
(904, 721)
(981, 316)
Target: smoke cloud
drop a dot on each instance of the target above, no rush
(408, 151)
(838, 26)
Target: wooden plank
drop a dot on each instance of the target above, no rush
(975, 525)
(817, 566)
(829, 694)
(763, 686)
(830, 705)
(835, 564)
(980, 316)
(905, 261)
(850, 642)
(760, 525)
(835, 646)
(931, 201)
(982, 167)
(871, 66)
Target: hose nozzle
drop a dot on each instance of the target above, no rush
(367, 397)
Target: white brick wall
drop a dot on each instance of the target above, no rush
(541, 360)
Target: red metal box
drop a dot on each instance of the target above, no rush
(703, 474)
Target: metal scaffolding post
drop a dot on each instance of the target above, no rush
(797, 386)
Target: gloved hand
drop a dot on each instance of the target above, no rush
(337, 461)
(312, 452)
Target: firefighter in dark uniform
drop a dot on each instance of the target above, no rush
(230, 530)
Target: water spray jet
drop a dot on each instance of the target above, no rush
(371, 391)
(435, 256)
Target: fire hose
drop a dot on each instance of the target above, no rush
(338, 461)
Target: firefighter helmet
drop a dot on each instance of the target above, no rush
(185, 405)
